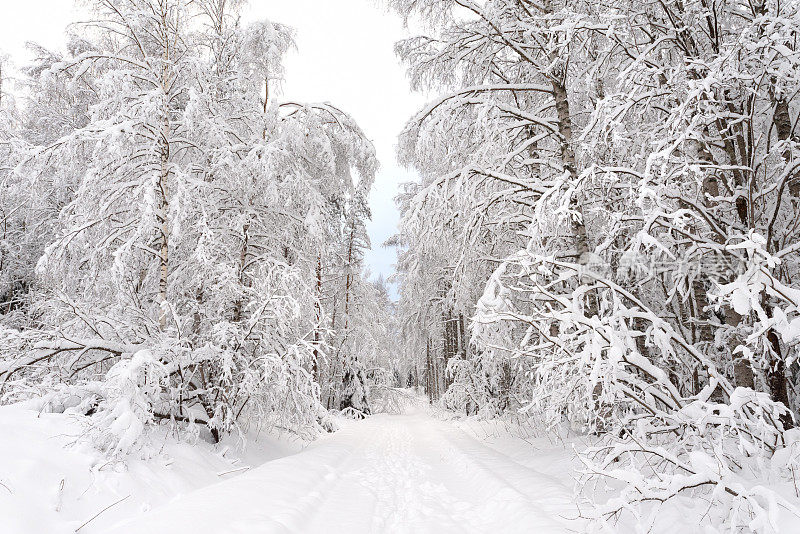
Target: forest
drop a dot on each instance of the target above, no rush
(602, 249)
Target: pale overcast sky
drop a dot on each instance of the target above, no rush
(345, 56)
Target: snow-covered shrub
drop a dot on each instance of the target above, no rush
(355, 394)
(785, 462)
(485, 386)
(770, 309)
(15, 364)
(719, 452)
(391, 400)
(132, 391)
(618, 372)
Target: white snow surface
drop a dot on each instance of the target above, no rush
(389, 473)
(52, 480)
(404, 473)
(415, 472)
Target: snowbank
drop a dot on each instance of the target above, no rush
(53, 482)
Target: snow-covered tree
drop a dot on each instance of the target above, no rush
(185, 259)
(15, 271)
(617, 180)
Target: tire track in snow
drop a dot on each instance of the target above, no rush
(542, 497)
(408, 498)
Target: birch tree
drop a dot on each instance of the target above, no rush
(180, 283)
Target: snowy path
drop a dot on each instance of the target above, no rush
(390, 473)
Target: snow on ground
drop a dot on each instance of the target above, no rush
(406, 473)
(52, 482)
(548, 453)
(409, 472)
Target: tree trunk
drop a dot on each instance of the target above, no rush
(570, 165)
(450, 344)
(783, 126)
(776, 377)
(429, 379)
(318, 318)
(462, 337)
(162, 208)
(237, 308)
(162, 188)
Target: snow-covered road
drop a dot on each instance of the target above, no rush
(390, 473)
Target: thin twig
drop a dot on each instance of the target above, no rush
(100, 512)
(244, 468)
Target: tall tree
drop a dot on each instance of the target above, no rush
(623, 172)
(183, 260)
